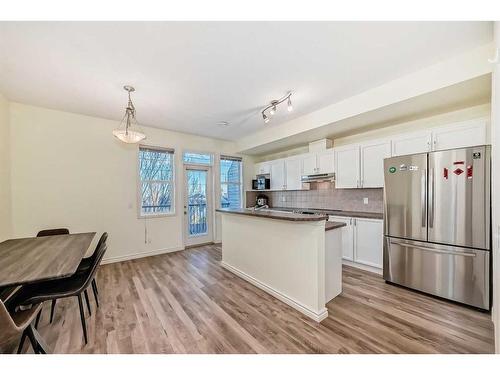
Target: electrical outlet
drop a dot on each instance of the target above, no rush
(365, 200)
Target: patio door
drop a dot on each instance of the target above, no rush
(197, 205)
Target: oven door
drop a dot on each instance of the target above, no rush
(458, 274)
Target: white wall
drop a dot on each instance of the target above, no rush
(495, 118)
(5, 212)
(68, 170)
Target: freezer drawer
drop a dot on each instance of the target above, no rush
(457, 274)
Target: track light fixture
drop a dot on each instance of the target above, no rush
(272, 107)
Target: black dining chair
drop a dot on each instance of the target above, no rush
(86, 263)
(74, 285)
(52, 232)
(46, 233)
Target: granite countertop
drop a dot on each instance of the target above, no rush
(334, 225)
(272, 214)
(360, 214)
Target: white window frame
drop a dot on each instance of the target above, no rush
(140, 214)
(212, 157)
(240, 159)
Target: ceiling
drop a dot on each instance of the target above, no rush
(191, 75)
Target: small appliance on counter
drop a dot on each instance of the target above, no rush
(262, 182)
(261, 201)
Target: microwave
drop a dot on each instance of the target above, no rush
(261, 183)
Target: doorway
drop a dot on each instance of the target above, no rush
(197, 205)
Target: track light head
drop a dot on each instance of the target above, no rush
(266, 119)
(273, 110)
(289, 105)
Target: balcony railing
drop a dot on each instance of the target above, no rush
(197, 218)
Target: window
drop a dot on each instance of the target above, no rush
(156, 173)
(196, 158)
(230, 182)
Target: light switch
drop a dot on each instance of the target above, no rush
(365, 200)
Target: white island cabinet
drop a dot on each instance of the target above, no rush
(290, 256)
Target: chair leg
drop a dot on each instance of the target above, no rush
(94, 284)
(87, 301)
(31, 336)
(21, 343)
(37, 320)
(38, 343)
(94, 289)
(82, 317)
(52, 308)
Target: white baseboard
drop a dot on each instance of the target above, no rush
(143, 254)
(316, 316)
(363, 267)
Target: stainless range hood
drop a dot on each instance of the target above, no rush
(320, 177)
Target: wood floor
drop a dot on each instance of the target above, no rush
(185, 302)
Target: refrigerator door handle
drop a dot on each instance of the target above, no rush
(431, 197)
(423, 188)
(440, 251)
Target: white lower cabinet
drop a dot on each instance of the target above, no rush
(368, 239)
(362, 241)
(347, 237)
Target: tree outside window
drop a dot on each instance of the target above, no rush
(156, 180)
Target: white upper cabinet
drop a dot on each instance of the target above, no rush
(464, 134)
(347, 167)
(326, 161)
(368, 238)
(277, 169)
(293, 171)
(262, 168)
(320, 162)
(372, 163)
(458, 135)
(411, 143)
(309, 164)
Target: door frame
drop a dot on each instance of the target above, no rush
(209, 236)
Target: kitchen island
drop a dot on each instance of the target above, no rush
(297, 258)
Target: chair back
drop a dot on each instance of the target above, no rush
(8, 328)
(52, 232)
(96, 259)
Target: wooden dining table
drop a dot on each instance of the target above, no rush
(34, 259)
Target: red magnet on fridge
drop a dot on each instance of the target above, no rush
(445, 173)
(469, 172)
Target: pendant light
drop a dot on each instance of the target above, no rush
(129, 130)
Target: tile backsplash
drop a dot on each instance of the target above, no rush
(329, 198)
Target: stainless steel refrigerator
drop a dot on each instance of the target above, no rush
(437, 223)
